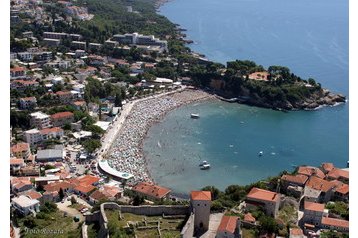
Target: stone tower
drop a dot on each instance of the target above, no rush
(200, 202)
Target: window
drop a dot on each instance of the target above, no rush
(198, 205)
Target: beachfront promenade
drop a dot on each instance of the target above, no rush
(122, 144)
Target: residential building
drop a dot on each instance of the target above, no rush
(51, 42)
(293, 180)
(64, 96)
(20, 184)
(21, 85)
(96, 60)
(49, 155)
(313, 213)
(94, 46)
(296, 233)
(35, 136)
(106, 193)
(75, 36)
(17, 72)
(32, 194)
(341, 192)
(80, 53)
(326, 167)
(25, 205)
(21, 151)
(51, 196)
(79, 45)
(111, 44)
(44, 180)
(30, 171)
(259, 75)
(51, 133)
(249, 220)
(229, 227)
(62, 118)
(338, 174)
(318, 190)
(40, 120)
(79, 105)
(56, 186)
(138, 39)
(57, 80)
(151, 191)
(310, 171)
(200, 202)
(28, 103)
(25, 56)
(335, 224)
(269, 201)
(32, 136)
(16, 165)
(54, 35)
(83, 190)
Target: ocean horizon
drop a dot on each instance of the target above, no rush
(311, 38)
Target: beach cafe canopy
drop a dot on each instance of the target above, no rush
(103, 164)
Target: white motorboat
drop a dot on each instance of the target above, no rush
(204, 165)
(195, 116)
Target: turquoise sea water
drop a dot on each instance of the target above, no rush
(311, 38)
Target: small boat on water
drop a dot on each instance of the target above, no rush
(204, 165)
(261, 153)
(195, 116)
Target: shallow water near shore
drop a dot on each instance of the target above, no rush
(311, 38)
(230, 136)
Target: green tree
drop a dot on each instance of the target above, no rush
(118, 100)
(61, 194)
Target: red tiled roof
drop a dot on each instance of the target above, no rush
(79, 103)
(312, 206)
(298, 179)
(17, 69)
(33, 194)
(84, 189)
(200, 195)
(265, 195)
(28, 99)
(50, 130)
(320, 184)
(327, 166)
(25, 82)
(98, 195)
(335, 222)
(151, 190)
(309, 171)
(343, 189)
(61, 115)
(249, 218)
(296, 231)
(14, 161)
(112, 191)
(228, 223)
(88, 180)
(56, 186)
(20, 147)
(259, 75)
(61, 93)
(338, 173)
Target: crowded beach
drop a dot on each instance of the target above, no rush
(125, 154)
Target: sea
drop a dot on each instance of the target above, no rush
(309, 37)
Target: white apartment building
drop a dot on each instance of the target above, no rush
(40, 120)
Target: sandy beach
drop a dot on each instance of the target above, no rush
(122, 144)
